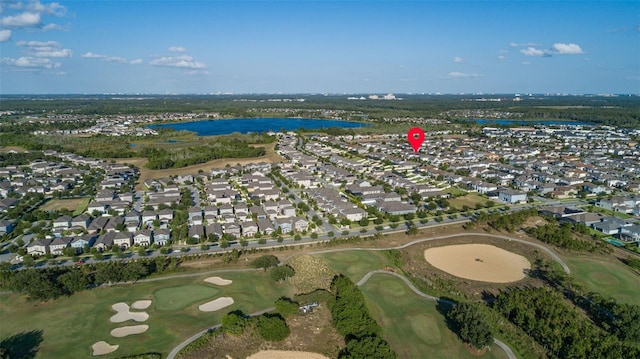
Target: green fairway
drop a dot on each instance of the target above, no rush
(411, 324)
(176, 298)
(606, 276)
(356, 263)
(70, 325)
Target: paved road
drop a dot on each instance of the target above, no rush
(181, 346)
(364, 279)
(475, 234)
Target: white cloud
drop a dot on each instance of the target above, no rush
(458, 60)
(461, 75)
(56, 27)
(117, 59)
(53, 8)
(501, 57)
(5, 35)
(28, 62)
(182, 61)
(26, 19)
(523, 44)
(45, 48)
(532, 51)
(177, 49)
(567, 49)
(91, 55)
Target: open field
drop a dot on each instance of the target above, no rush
(146, 174)
(77, 205)
(469, 200)
(413, 325)
(607, 276)
(479, 262)
(71, 325)
(177, 298)
(355, 264)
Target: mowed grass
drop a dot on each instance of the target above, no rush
(411, 324)
(77, 205)
(470, 200)
(70, 325)
(606, 276)
(355, 263)
(176, 298)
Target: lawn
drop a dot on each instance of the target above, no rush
(70, 325)
(77, 205)
(606, 276)
(411, 324)
(470, 200)
(355, 263)
(177, 298)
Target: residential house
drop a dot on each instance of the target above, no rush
(214, 230)
(39, 247)
(232, 229)
(123, 239)
(161, 236)
(249, 228)
(196, 232)
(6, 226)
(512, 196)
(59, 244)
(265, 226)
(142, 237)
(79, 243)
(82, 221)
(105, 241)
(63, 222)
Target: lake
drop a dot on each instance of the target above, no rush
(536, 122)
(246, 125)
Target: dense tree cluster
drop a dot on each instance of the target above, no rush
(272, 327)
(471, 325)
(53, 282)
(351, 318)
(510, 221)
(563, 236)
(161, 158)
(564, 332)
(265, 261)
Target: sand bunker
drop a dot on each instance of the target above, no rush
(216, 304)
(280, 354)
(480, 262)
(102, 348)
(141, 304)
(124, 314)
(218, 281)
(130, 330)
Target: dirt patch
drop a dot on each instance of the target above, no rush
(216, 304)
(312, 332)
(124, 314)
(218, 281)
(141, 304)
(102, 348)
(479, 262)
(279, 354)
(130, 330)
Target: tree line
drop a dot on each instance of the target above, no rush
(351, 319)
(544, 315)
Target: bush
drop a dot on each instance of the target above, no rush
(286, 307)
(281, 273)
(265, 262)
(272, 327)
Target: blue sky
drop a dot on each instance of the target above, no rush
(206, 46)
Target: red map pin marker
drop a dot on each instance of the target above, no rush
(415, 137)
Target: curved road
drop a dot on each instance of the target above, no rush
(187, 341)
(364, 279)
(551, 253)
